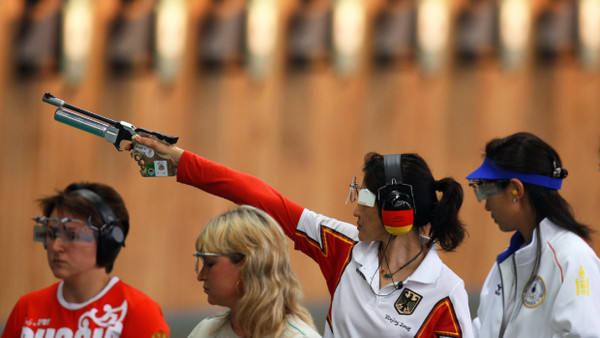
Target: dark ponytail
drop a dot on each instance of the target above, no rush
(446, 228)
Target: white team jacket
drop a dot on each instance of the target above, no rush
(561, 299)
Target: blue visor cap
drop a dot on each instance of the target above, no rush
(489, 171)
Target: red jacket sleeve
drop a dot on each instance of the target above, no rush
(239, 188)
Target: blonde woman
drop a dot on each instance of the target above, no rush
(245, 267)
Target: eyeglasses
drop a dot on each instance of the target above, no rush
(365, 197)
(50, 228)
(235, 257)
(485, 188)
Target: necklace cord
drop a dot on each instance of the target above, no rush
(390, 274)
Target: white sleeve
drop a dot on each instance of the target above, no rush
(460, 302)
(577, 304)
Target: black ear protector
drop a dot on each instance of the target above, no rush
(110, 235)
(396, 199)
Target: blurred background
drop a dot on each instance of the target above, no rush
(294, 92)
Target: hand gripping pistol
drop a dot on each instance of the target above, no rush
(152, 164)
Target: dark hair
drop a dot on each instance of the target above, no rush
(526, 153)
(446, 228)
(67, 201)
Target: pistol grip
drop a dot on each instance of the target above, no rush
(152, 163)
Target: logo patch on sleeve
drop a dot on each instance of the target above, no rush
(582, 283)
(407, 302)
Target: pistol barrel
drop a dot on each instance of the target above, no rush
(87, 124)
(55, 101)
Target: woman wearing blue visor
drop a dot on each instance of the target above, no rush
(545, 283)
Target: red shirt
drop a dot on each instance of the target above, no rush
(119, 310)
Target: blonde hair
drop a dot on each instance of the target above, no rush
(270, 288)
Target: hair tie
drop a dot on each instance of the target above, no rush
(558, 171)
(437, 186)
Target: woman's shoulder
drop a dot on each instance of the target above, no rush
(564, 242)
(213, 327)
(568, 252)
(296, 327)
(433, 269)
(209, 327)
(312, 224)
(46, 297)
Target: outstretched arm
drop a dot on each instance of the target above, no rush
(328, 241)
(233, 185)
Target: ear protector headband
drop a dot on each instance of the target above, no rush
(396, 198)
(110, 235)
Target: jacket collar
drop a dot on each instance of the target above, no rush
(547, 230)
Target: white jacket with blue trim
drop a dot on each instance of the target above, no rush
(562, 298)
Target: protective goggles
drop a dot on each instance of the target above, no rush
(485, 188)
(364, 195)
(50, 228)
(235, 257)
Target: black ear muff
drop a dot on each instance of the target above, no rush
(396, 198)
(110, 235)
